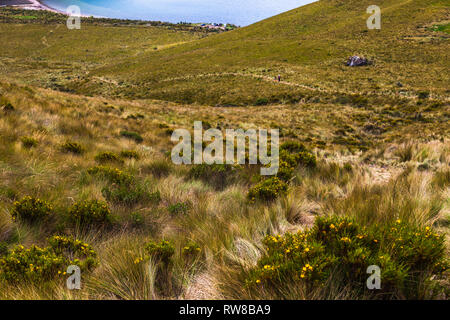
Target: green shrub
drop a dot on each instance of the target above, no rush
(216, 175)
(72, 147)
(262, 102)
(129, 194)
(179, 208)
(307, 159)
(132, 135)
(113, 175)
(340, 249)
(80, 253)
(31, 209)
(90, 212)
(162, 251)
(28, 142)
(129, 154)
(285, 171)
(268, 190)
(292, 147)
(292, 155)
(105, 157)
(38, 264)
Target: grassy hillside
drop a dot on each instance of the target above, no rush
(86, 118)
(407, 181)
(308, 47)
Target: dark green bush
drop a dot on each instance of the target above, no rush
(132, 135)
(262, 102)
(423, 95)
(307, 159)
(31, 209)
(90, 212)
(28, 142)
(106, 157)
(268, 190)
(339, 249)
(72, 147)
(129, 154)
(129, 194)
(292, 147)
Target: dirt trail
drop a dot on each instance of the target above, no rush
(287, 83)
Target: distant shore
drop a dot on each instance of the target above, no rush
(30, 5)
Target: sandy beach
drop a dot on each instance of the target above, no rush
(28, 4)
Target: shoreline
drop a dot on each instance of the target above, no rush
(34, 5)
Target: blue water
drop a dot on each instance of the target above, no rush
(239, 12)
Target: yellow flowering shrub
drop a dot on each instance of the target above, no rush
(38, 264)
(113, 175)
(31, 209)
(292, 155)
(191, 249)
(341, 249)
(268, 190)
(162, 251)
(90, 211)
(108, 157)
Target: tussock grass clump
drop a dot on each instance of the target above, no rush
(340, 249)
(108, 157)
(38, 264)
(132, 135)
(405, 152)
(72, 147)
(159, 168)
(90, 212)
(268, 190)
(31, 209)
(29, 142)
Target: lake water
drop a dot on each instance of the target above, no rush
(239, 12)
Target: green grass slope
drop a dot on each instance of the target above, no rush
(308, 47)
